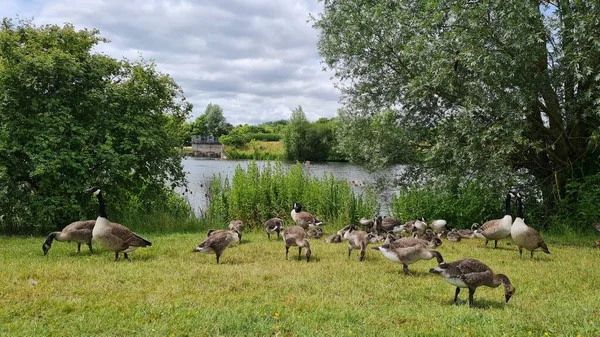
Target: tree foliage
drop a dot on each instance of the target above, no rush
(71, 118)
(216, 124)
(375, 140)
(303, 140)
(502, 87)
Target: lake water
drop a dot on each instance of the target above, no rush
(200, 171)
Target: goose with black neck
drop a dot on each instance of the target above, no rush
(114, 236)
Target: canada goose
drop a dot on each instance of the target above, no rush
(78, 231)
(597, 226)
(334, 238)
(384, 225)
(408, 255)
(471, 273)
(525, 236)
(217, 241)
(366, 224)
(497, 229)
(314, 232)
(468, 233)
(454, 236)
(357, 240)
(438, 226)
(411, 242)
(296, 236)
(236, 225)
(114, 236)
(273, 225)
(304, 219)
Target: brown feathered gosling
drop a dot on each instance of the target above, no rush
(236, 225)
(304, 219)
(114, 236)
(471, 274)
(334, 238)
(78, 231)
(410, 242)
(454, 236)
(296, 236)
(525, 236)
(408, 255)
(217, 241)
(357, 240)
(273, 225)
(468, 233)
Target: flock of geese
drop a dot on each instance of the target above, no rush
(419, 245)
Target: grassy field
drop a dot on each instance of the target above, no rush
(166, 290)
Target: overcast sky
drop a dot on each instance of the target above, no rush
(257, 59)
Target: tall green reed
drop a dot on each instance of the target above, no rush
(257, 194)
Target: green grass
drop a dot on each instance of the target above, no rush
(166, 290)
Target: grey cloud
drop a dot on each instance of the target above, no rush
(257, 59)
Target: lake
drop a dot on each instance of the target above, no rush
(200, 171)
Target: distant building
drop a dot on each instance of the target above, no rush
(207, 146)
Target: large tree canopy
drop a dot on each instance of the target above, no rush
(499, 86)
(71, 118)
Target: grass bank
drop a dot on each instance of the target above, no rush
(168, 291)
(257, 150)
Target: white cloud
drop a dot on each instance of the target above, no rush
(256, 59)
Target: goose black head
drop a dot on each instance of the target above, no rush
(46, 248)
(95, 190)
(297, 207)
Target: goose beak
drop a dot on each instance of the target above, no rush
(198, 249)
(46, 248)
(507, 297)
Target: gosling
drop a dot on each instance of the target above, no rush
(408, 255)
(78, 231)
(357, 240)
(296, 236)
(471, 274)
(217, 241)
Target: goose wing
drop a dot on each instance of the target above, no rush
(80, 230)
(126, 237)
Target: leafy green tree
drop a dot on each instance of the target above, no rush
(198, 126)
(502, 87)
(295, 136)
(216, 124)
(71, 118)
